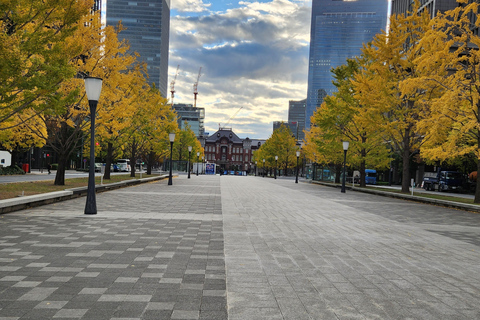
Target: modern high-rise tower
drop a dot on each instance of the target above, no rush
(296, 115)
(147, 24)
(338, 30)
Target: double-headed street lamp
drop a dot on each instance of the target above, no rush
(198, 155)
(171, 137)
(264, 168)
(189, 153)
(276, 166)
(93, 88)
(345, 148)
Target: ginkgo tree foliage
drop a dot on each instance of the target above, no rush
(184, 138)
(149, 127)
(450, 63)
(103, 56)
(282, 143)
(65, 125)
(390, 60)
(123, 87)
(343, 118)
(35, 56)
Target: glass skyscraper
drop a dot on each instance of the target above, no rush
(338, 30)
(296, 115)
(147, 24)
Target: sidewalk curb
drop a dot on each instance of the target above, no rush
(438, 202)
(20, 203)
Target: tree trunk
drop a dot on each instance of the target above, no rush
(362, 171)
(108, 163)
(477, 189)
(151, 157)
(338, 172)
(60, 175)
(133, 159)
(406, 161)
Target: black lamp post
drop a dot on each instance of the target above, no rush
(264, 168)
(298, 156)
(189, 153)
(345, 148)
(93, 88)
(203, 164)
(276, 166)
(171, 137)
(198, 155)
(256, 168)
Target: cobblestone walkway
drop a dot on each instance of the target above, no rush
(152, 252)
(297, 251)
(236, 248)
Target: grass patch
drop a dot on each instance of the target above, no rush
(12, 190)
(440, 196)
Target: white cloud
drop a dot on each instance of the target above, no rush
(189, 5)
(255, 56)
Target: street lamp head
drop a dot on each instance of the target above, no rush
(298, 154)
(345, 145)
(93, 88)
(276, 158)
(171, 136)
(255, 162)
(189, 148)
(198, 154)
(263, 160)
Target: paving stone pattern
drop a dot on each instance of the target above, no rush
(152, 252)
(298, 251)
(236, 248)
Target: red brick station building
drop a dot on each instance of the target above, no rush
(229, 152)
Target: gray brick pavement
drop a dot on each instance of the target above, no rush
(153, 252)
(308, 252)
(239, 248)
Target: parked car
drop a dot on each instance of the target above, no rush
(114, 168)
(98, 167)
(124, 165)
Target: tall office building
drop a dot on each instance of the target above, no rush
(147, 24)
(296, 115)
(195, 117)
(338, 30)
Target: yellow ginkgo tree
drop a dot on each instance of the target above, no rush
(35, 56)
(390, 60)
(450, 65)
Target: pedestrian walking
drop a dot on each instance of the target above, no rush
(49, 167)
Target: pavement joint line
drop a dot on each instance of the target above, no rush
(264, 250)
(20, 203)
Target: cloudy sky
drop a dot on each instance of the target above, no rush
(252, 54)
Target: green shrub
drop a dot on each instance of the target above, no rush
(54, 166)
(11, 170)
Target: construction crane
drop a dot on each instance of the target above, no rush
(172, 84)
(231, 118)
(195, 86)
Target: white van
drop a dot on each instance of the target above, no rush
(5, 158)
(124, 165)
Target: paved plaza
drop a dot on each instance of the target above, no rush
(234, 247)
